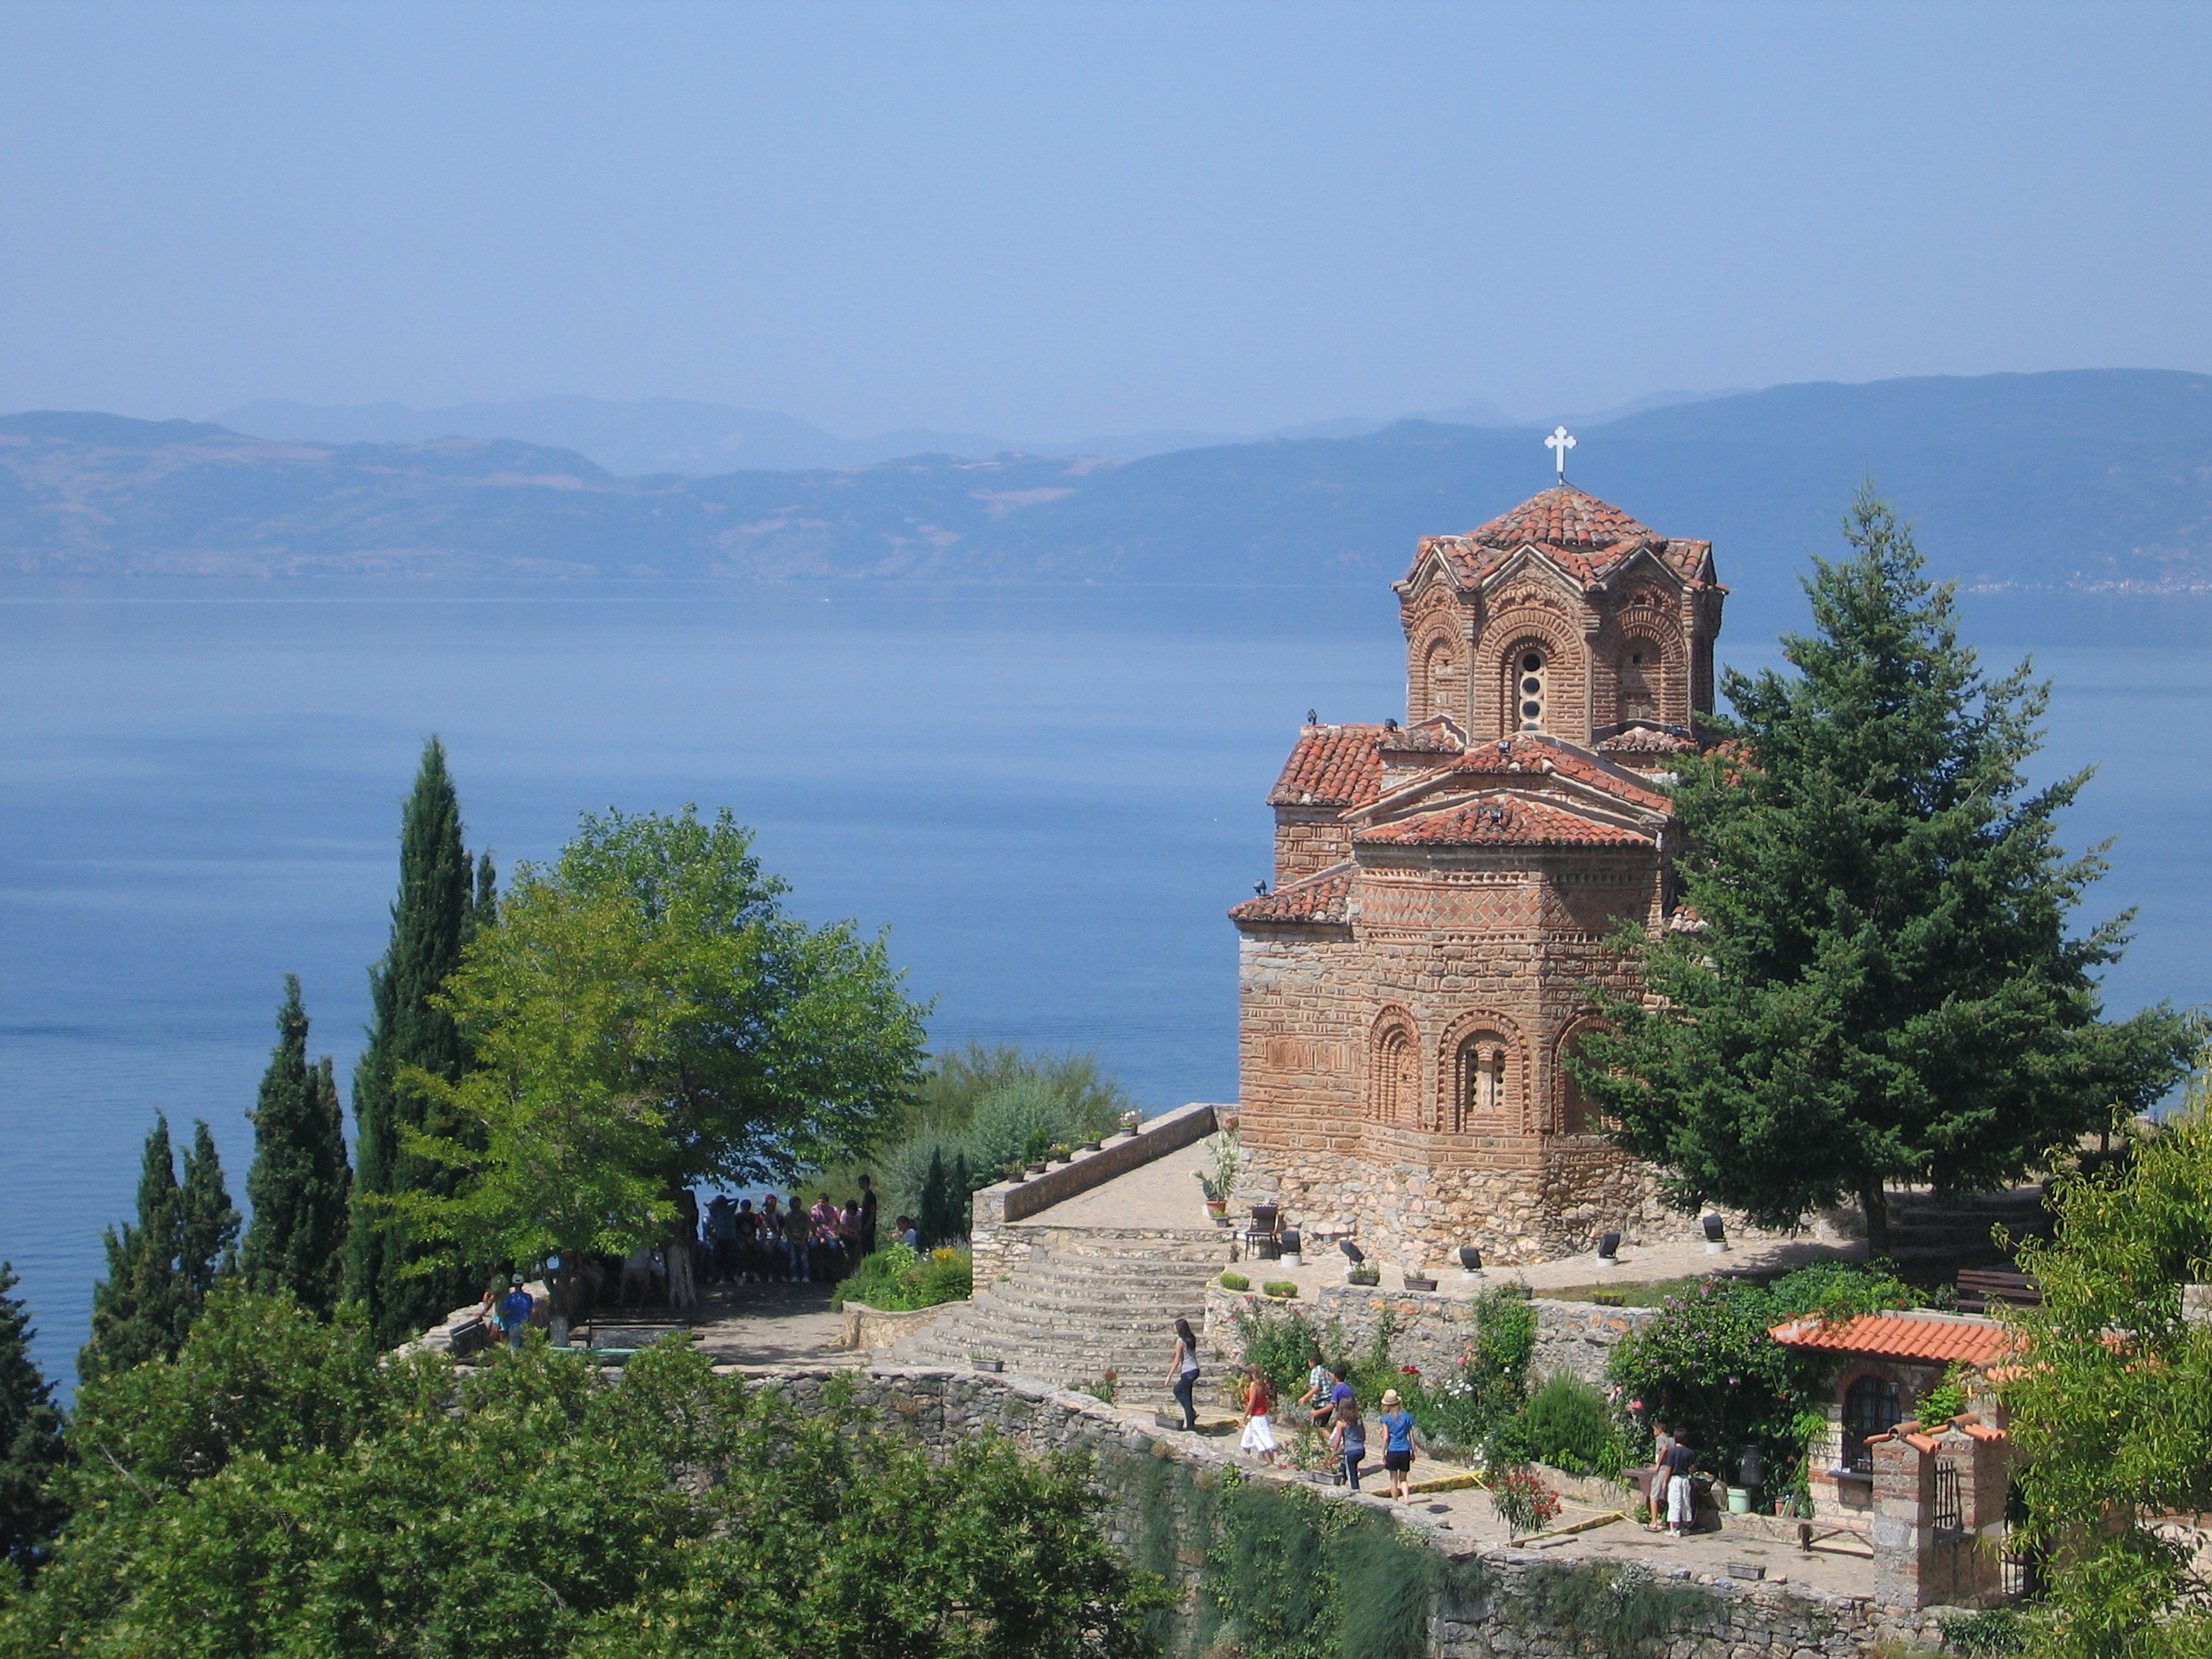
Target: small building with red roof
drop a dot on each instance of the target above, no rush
(1446, 888)
(1885, 1364)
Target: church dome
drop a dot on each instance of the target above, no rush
(1562, 517)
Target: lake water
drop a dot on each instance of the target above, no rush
(1048, 795)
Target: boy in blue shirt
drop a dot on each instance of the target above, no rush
(515, 1313)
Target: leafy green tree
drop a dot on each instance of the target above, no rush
(442, 900)
(1872, 981)
(646, 1015)
(2111, 1402)
(31, 1449)
(299, 1184)
(277, 1490)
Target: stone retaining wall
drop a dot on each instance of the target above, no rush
(1157, 1505)
(1432, 1329)
(866, 1327)
(998, 1253)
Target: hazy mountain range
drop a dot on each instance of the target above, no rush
(668, 434)
(2077, 479)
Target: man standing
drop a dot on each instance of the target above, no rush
(515, 1313)
(867, 1218)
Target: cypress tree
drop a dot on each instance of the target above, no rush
(931, 1221)
(137, 1309)
(160, 1272)
(442, 899)
(207, 1225)
(30, 1439)
(299, 1183)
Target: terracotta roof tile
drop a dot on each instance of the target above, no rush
(1586, 537)
(1500, 820)
(1937, 1340)
(1647, 740)
(1322, 899)
(1331, 766)
(1562, 517)
(1517, 756)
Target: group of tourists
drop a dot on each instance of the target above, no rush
(785, 1241)
(1332, 1407)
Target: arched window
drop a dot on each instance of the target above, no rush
(1483, 1096)
(1530, 677)
(1640, 677)
(1394, 1091)
(1870, 1407)
(1440, 680)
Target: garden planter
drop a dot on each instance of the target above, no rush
(983, 1364)
(1362, 1276)
(1418, 1282)
(1217, 1208)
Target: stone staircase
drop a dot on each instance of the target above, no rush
(1086, 1301)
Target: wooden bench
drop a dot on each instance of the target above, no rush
(1979, 1287)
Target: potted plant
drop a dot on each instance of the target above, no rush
(1364, 1275)
(1014, 1172)
(1220, 1179)
(1417, 1278)
(1059, 1153)
(1087, 1146)
(986, 1363)
(1037, 1167)
(1129, 1122)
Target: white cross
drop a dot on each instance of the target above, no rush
(1559, 443)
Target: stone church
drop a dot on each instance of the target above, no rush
(1445, 888)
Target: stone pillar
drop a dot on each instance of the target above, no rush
(1904, 1497)
(1938, 1502)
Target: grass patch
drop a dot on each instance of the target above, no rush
(1631, 1295)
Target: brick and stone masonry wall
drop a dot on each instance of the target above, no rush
(1157, 1499)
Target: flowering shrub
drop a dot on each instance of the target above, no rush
(895, 1277)
(1521, 1499)
(1706, 1364)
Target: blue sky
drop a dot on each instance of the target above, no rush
(1047, 221)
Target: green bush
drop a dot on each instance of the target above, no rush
(1568, 1424)
(1284, 1288)
(1235, 1282)
(1281, 1343)
(897, 1280)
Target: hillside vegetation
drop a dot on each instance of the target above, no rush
(2077, 479)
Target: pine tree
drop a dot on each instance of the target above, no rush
(30, 1439)
(299, 1183)
(442, 900)
(1876, 983)
(138, 1310)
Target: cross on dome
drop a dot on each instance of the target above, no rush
(1559, 443)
